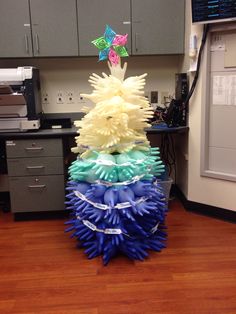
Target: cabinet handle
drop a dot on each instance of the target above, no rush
(37, 42)
(39, 186)
(136, 41)
(34, 167)
(33, 148)
(26, 44)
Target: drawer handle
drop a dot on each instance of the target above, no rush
(34, 167)
(136, 41)
(37, 42)
(39, 186)
(33, 148)
(26, 44)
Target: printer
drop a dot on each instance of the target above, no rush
(20, 101)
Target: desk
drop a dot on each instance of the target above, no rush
(54, 159)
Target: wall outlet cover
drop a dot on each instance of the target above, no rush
(60, 98)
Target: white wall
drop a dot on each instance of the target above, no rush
(71, 75)
(215, 192)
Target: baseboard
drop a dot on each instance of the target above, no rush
(59, 214)
(203, 209)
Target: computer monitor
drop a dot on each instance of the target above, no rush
(213, 11)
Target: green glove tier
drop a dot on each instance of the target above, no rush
(117, 168)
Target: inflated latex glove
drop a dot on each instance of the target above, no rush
(117, 71)
(83, 232)
(101, 237)
(127, 213)
(141, 188)
(134, 249)
(126, 195)
(96, 190)
(111, 197)
(154, 243)
(137, 155)
(92, 248)
(112, 216)
(122, 159)
(147, 222)
(82, 187)
(125, 167)
(80, 205)
(145, 207)
(93, 213)
(125, 174)
(135, 84)
(83, 164)
(117, 239)
(109, 251)
(78, 171)
(107, 170)
(134, 229)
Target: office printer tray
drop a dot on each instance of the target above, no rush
(18, 125)
(12, 105)
(13, 111)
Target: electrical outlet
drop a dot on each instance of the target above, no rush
(81, 99)
(60, 98)
(45, 98)
(70, 98)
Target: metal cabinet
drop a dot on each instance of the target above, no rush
(93, 15)
(154, 26)
(54, 28)
(39, 28)
(36, 175)
(158, 27)
(15, 31)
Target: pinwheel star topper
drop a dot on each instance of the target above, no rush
(111, 46)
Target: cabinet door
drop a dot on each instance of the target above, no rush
(93, 15)
(15, 33)
(36, 194)
(54, 28)
(157, 27)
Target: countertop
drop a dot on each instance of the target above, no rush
(53, 133)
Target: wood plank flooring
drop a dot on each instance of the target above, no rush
(41, 271)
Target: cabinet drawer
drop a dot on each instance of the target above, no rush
(34, 148)
(35, 166)
(36, 194)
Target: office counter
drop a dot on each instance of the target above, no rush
(36, 166)
(50, 133)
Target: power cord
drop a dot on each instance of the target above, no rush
(194, 83)
(168, 155)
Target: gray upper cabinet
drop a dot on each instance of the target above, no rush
(54, 27)
(93, 15)
(158, 27)
(15, 32)
(58, 28)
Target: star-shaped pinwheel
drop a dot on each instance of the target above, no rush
(111, 46)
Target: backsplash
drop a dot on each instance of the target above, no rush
(64, 79)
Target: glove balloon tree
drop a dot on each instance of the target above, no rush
(116, 204)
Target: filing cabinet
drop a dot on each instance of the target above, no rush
(36, 174)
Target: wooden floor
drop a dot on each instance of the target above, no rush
(41, 271)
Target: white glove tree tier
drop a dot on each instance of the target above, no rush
(116, 122)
